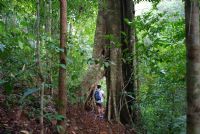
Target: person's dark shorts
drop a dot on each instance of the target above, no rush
(99, 104)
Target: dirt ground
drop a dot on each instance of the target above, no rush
(14, 120)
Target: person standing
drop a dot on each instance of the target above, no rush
(99, 98)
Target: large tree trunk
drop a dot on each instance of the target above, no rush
(118, 104)
(96, 71)
(62, 97)
(114, 74)
(130, 66)
(120, 75)
(128, 43)
(193, 66)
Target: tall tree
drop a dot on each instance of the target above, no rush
(40, 80)
(48, 27)
(62, 97)
(110, 46)
(95, 72)
(48, 18)
(128, 45)
(114, 75)
(120, 75)
(193, 65)
(37, 55)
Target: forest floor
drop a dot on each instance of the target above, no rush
(17, 120)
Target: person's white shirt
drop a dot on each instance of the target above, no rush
(101, 94)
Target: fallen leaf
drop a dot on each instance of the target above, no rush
(103, 132)
(73, 132)
(24, 132)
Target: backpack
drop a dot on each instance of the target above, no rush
(97, 95)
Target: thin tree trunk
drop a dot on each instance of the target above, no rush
(193, 66)
(48, 13)
(62, 97)
(50, 35)
(38, 66)
(48, 17)
(42, 108)
(37, 56)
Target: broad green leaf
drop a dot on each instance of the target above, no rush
(2, 47)
(106, 64)
(20, 44)
(63, 66)
(8, 87)
(1, 27)
(28, 92)
(2, 82)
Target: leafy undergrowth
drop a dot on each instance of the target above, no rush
(14, 120)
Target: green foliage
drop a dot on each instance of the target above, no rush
(16, 50)
(18, 69)
(59, 128)
(10, 101)
(52, 116)
(155, 2)
(161, 54)
(82, 8)
(2, 82)
(28, 92)
(18, 42)
(79, 52)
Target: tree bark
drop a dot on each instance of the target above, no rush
(115, 72)
(96, 71)
(48, 17)
(48, 25)
(193, 66)
(110, 22)
(37, 55)
(62, 97)
(128, 43)
(40, 80)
